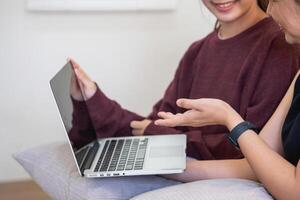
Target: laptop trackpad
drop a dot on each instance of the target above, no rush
(165, 151)
(166, 157)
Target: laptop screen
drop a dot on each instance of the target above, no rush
(62, 84)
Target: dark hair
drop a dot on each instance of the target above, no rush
(263, 4)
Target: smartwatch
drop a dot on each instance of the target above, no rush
(237, 131)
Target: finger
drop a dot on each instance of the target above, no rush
(166, 122)
(136, 125)
(172, 120)
(189, 103)
(136, 132)
(80, 72)
(75, 65)
(165, 115)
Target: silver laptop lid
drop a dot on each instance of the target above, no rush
(61, 87)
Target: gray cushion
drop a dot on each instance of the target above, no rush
(217, 189)
(53, 168)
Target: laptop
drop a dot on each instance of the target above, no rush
(117, 156)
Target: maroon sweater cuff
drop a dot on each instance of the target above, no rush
(99, 107)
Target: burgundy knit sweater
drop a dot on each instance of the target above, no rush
(250, 71)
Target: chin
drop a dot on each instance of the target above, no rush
(224, 13)
(229, 18)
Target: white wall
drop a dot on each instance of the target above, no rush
(132, 56)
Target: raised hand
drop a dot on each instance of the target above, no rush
(201, 112)
(82, 86)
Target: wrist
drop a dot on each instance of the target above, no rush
(233, 120)
(240, 129)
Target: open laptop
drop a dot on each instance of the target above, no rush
(118, 156)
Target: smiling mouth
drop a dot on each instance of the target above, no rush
(224, 6)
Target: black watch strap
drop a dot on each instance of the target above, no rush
(237, 131)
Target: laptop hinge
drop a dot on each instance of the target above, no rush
(89, 157)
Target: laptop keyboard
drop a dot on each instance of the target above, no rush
(122, 154)
(81, 155)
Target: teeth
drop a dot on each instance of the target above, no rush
(225, 5)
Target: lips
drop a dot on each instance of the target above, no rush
(224, 6)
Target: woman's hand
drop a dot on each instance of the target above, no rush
(201, 112)
(82, 86)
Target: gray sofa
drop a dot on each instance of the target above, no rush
(53, 168)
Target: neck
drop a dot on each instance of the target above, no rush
(250, 18)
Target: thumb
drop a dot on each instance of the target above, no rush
(75, 65)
